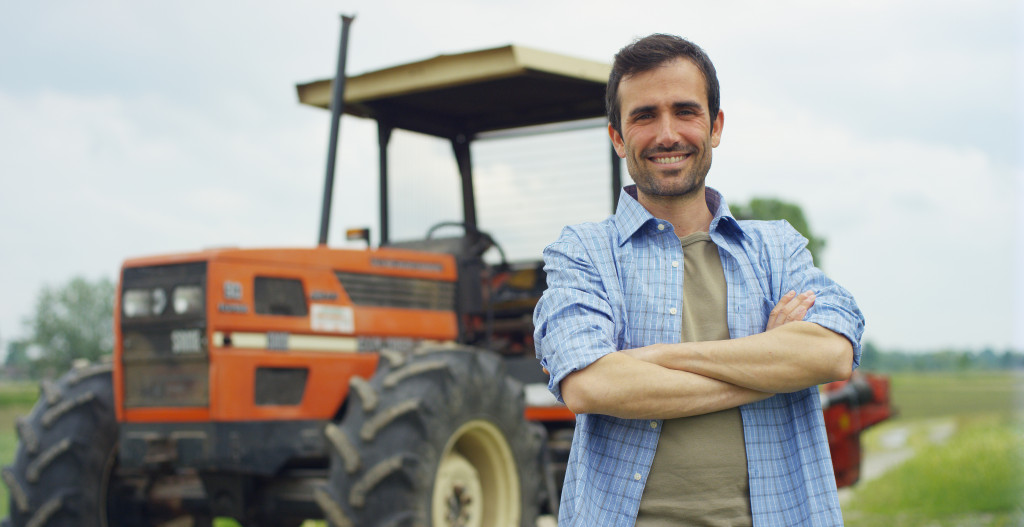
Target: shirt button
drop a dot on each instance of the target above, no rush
(637, 476)
(661, 227)
(672, 311)
(654, 424)
(675, 263)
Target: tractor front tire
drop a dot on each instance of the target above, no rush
(437, 438)
(67, 451)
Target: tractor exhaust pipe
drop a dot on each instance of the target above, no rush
(337, 107)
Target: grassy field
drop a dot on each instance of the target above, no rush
(926, 395)
(973, 478)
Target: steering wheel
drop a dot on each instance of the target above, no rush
(481, 240)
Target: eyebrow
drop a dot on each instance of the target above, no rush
(675, 106)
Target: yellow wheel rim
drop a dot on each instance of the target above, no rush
(477, 484)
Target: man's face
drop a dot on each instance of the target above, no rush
(667, 134)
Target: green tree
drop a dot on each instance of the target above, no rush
(776, 209)
(17, 354)
(871, 357)
(73, 321)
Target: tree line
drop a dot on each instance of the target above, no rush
(947, 360)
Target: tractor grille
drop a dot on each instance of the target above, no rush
(392, 291)
(164, 351)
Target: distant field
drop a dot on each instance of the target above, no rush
(926, 395)
(988, 406)
(18, 393)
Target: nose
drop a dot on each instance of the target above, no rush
(666, 133)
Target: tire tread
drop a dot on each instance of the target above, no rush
(344, 447)
(421, 398)
(27, 435)
(17, 493)
(373, 477)
(412, 370)
(56, 412)
(80, 374)
(45, 512)
(331, 509)
(367, 395)
(380, 421)
(38, 465)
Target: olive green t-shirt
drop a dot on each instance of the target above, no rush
(699, 474)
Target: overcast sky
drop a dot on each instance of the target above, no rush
(137, 128)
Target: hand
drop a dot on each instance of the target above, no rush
(791, 308)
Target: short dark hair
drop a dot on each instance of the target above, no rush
(650, 52)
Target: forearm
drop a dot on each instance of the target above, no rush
(785, 359)
(623, 386)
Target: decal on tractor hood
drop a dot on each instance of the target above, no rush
(335, 319)
(232, 290)
(232, 308)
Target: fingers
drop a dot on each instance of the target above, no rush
(786, 299)
(792, 307)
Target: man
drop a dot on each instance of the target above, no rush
(675, 333)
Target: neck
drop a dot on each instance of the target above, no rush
(687, 213)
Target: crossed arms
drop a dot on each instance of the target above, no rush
(684, 379)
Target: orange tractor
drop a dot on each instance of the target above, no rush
(392, 385)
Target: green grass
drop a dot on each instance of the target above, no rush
(974, 478)
(925, 395)
(228, 522)
(18, 393)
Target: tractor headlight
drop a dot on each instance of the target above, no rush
(143, 302)
(136, 302)
(187, 299)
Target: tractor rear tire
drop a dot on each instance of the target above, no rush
(67, 451)
(437, 438)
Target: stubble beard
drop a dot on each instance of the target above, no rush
(669, 183)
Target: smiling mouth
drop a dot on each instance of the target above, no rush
(669, 160)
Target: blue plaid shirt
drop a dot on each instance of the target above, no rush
(611, 286)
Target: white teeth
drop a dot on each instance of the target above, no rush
(668, 160)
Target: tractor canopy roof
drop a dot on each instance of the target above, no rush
(469, 93)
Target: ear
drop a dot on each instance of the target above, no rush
(716, 129)
(617, 142)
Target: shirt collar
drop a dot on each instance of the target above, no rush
(630, 215)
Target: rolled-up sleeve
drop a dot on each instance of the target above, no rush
(834, 307)
(573, 319)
